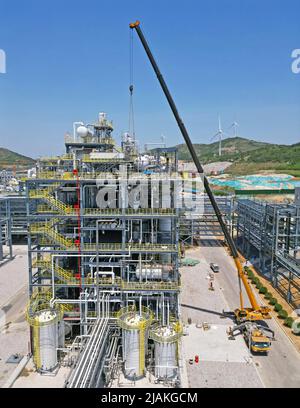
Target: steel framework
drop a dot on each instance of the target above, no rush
(97, 227)
(269, 235)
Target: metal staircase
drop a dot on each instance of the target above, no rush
(45, 194)
(47, 229)
(62, 274)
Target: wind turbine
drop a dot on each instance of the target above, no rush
(219, 136)
(234, 126)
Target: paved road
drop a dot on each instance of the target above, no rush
(281, 368)
(14, 331)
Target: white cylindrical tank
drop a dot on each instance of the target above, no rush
(134, 340)
(166, 343)
(131, 354)
(153, 272)
(46, 341)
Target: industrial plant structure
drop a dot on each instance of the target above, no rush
(103, 260)
(269, 234)
(13, 223)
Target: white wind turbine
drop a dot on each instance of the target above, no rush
(234, 126)
(219, 135)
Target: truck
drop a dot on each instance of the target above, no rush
(256, 336)
(214, 267)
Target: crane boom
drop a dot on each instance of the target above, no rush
(257, 311)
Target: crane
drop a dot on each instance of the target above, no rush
(242, 314)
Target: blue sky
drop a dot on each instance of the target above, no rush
(68, 60)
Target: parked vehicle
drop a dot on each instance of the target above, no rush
(214, 267)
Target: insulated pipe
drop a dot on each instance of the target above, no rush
(140, 305)
(92, 354)
(88, 356)
(52, 300)
(85, 352)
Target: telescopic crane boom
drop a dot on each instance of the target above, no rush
(256, 312)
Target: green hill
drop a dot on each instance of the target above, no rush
(248, 156)
(8, 159)
(232, 149)
(277, 158)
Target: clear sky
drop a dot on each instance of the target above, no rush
(67, 60)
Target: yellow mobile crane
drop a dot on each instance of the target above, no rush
(242, 314)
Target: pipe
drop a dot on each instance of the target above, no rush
(52, 300)
(92, 354)
(168, 313)
(87, 351)
(140, 306)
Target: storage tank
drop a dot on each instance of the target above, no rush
(134, 326)
(166, 340)
(45, 339)
(149, 272)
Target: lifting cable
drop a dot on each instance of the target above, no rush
(131, 129)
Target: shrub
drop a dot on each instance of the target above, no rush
(273, 301)
(277, 307)
(258, 285)
(296, 329)
(263, 290)
(289, 322)
(268, 295)
(283, 314)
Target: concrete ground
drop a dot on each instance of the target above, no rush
(29, 378)
(13, 274)
(222, 362)
(281, 368)
(147, 382)
(14, 331)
